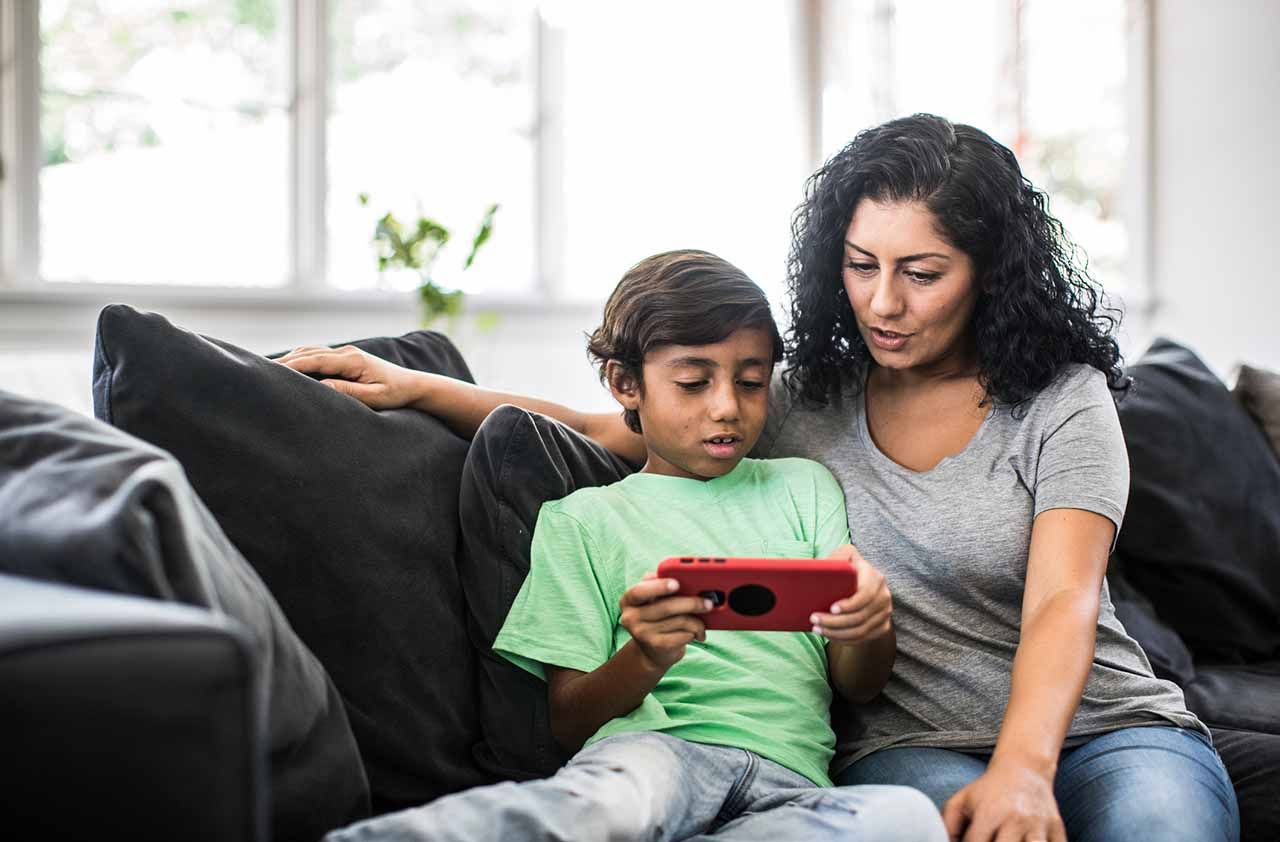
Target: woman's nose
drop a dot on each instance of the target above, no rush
(886, 301)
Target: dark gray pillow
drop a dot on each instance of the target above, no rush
(1201, 536)
(85, 504)
(518, 461)
(349, 515)
(1169, 656)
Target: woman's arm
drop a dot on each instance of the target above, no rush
(383, 385)
(1065, 567)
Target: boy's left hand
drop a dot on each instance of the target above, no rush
(867, 613)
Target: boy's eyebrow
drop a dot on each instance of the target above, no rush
(707, 362)
(906, 259)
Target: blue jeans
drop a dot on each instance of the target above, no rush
(652, 786)
(1157, 783)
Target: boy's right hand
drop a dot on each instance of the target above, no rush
(373, 381)
(660, 623)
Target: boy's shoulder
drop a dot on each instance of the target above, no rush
(797, 473)
(587, 504)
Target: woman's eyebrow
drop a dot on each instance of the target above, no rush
(910, 257)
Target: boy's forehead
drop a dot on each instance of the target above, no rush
(746, 345)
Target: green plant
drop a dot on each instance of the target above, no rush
(417, 247)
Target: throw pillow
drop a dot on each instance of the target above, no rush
(1201, 537)
(1259, 391)
(85, 504)
(518, 461)
(349, 515)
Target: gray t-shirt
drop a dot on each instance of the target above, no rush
(952, 543)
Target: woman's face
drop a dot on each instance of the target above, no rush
(912, 292)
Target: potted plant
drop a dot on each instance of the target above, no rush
(416, 247)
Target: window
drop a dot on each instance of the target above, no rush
(213, 143)
(164, 142)
(433, 110)
(1049, 80)
(684, 128)
(226, 143)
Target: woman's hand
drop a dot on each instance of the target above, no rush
(660, 623)
(371, 380)
(1010, 802)
(864, 615)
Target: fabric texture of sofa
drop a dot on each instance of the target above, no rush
(394, 549)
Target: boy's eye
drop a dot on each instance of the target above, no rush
(691, 385)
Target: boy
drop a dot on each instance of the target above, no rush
(684, 732)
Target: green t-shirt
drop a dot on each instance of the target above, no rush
(766, 692)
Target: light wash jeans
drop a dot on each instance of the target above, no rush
(1153, 783)
(650, 786)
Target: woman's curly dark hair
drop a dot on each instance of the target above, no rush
(1038, 310)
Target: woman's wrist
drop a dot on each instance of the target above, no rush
(1044, 764)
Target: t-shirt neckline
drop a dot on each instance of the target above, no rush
(689, 490)
(864, 433)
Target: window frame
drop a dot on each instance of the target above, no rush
(307, 24)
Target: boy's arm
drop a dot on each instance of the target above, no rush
(383, 385)
(661, 625)
(859, 671)
(862, 645)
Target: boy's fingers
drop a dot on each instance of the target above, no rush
(675, 606)
(647, 590)
(847, 619)
(874, 626)
(318, 363)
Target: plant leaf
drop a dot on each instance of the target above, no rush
(482, 235)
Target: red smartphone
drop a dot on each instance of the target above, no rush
(761, 594)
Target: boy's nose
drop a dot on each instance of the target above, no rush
(724, 404)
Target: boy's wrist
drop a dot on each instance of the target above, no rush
(643, 663)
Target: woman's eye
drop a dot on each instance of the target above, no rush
(861, 268)
(751, 384)
(924, 277)
(691, 385)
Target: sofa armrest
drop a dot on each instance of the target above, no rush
(124, 717)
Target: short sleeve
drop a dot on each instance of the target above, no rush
(561, 616)
(833, 515)
(1083, 461)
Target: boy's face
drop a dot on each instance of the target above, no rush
(702, 407)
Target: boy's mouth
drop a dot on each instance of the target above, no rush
(722, 447)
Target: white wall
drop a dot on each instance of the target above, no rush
(1216, 138)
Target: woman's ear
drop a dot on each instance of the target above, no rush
(623, 384)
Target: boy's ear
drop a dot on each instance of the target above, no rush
(623, 384)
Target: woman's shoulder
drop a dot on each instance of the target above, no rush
(1076, 386)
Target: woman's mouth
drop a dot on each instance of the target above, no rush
(888, 340)
(722, 447)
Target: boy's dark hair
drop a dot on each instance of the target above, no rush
(685, 297)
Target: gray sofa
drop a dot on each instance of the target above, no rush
(343, 573)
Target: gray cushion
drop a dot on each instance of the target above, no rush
(83, 503)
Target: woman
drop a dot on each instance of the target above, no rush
(953, 367)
